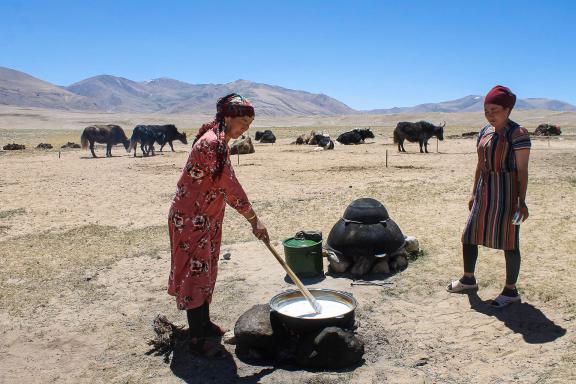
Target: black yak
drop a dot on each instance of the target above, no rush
(419, 132)
(356, 136)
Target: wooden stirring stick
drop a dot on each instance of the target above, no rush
(307, 295)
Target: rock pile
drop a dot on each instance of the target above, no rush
(44, 146)
(260, 337)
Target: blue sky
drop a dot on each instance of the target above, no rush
(368, 54)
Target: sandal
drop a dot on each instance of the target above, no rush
(457, 286)
(502, 301)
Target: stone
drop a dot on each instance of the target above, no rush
(338, 264)
(253, 329)
(227, 256)
(381, 267)
(331, 348)
(362, 266)
(44, 146)
(411, 244)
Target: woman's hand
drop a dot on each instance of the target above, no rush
(471, 202)
(259, 230)
(523, 210)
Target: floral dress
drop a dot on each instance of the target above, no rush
(195, 222)
(490, 220)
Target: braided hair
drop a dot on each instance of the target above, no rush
(231, 105)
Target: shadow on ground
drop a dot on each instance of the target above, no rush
(521, 318)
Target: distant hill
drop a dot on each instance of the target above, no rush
(20, 89)
(115, 94)
(107, 93)
(474, 103)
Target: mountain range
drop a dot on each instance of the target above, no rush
(113, 94)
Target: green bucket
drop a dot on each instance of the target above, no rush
(304, 257)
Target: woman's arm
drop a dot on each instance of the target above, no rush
(522, 156)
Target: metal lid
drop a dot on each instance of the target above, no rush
(366, 211)
(295, 243)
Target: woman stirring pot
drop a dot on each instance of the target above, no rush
(195, 218)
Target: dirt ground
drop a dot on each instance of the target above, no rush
(84, 255)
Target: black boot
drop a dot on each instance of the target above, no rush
(210, 329)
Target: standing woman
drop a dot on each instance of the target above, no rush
(195, 219)
(499, 192)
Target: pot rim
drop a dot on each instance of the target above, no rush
(349, 300)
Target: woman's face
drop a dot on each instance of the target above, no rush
(496, 115)
(236, 126)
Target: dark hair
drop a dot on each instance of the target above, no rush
(231, 105)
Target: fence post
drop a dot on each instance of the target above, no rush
(386, 158)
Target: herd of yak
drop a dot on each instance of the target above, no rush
(148, 135)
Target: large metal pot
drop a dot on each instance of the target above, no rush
(345, 320)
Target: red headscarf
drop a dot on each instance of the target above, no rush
(502, 96)
(232, 105)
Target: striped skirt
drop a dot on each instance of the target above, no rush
(490, 220)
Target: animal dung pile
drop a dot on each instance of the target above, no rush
(242, 146)
(261, 337)
(13, 147)
(70, 145)
(366, 240)
(44, 146)
(547, 130)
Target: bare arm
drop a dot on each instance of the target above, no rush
(522, 156)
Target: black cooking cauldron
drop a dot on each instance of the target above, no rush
(365, 230)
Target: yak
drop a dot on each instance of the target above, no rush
(147, 135)
(356, 136)
(242, 146)
(265, 137)
(167, 134)
(419, 132)
(108, 134)
(324, 141)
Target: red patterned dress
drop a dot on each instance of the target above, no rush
(195, 222)
(490, 220)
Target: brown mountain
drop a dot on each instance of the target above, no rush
(116, 94)
(18, 88)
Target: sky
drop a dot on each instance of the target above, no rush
(367, 54)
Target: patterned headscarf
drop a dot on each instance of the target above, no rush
(502, 96)
(231, 105)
